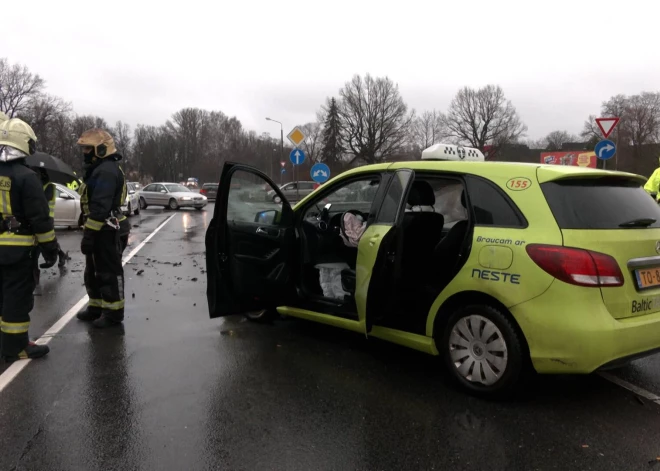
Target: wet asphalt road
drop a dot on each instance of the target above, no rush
(174, 390)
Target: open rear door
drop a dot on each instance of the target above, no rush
(249, 244)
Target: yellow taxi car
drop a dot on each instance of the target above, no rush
(496, 267)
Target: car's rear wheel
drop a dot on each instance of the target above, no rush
(262, 317)
(143, 203)
(173, 204)
(483, 350)
(277, 199)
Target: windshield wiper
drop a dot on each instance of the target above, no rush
(641, 222)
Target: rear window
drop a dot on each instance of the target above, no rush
(603, 203)
(210, 186)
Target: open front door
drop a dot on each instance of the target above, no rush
(378, 263)
(249, 244)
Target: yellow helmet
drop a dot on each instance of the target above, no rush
(16, 135)
(100, 140)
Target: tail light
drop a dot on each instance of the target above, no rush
(202, 191)
(577, 266)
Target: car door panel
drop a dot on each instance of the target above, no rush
(248, 263)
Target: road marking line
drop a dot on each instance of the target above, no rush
(630, 387)
(15, 368)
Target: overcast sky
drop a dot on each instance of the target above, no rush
(141, 61)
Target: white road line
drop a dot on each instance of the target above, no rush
(15, 368)
(630, 387)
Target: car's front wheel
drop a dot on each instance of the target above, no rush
(129, 210)
(137, 210)
(483, 350)
(143, 203)
(277, 199)
(173, 204)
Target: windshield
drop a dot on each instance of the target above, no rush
(177, 188)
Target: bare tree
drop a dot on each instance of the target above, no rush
(556, 139)
(428, 129)
(374, 118)
(483, 118)
(17, 87)
(313, 136)
(642, 119)
(46, 114)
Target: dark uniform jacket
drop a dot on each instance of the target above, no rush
(102, 194)
(25, 214)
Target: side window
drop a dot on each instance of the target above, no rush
(160, 188)
(491, 206)
(306, 186)
(149, 188)
(358, 195)
(251, 199)
(389, 210)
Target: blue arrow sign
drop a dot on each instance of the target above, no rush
(320, 172)
(297, 157)
(605, 149)
(283, 170)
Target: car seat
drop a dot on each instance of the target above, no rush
(446, 252)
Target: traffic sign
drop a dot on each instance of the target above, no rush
(605, 149)
(320, 172)
(297, 156)
(283, 170)
(283, 164)
(607, 125)
(296, 136)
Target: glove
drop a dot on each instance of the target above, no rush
(87, 242)
(49, 251)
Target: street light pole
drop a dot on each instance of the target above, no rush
(281, 144)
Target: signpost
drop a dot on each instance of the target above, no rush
(606, 149)
(320, 172)
(607, 125)
(297, 156)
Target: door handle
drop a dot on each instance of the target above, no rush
(261, 230)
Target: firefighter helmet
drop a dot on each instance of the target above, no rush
(100, 140)
(17, 140)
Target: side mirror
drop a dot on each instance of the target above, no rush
(132, 192)
(269, 217)
(163, 191)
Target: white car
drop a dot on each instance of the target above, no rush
(67, 207)
(132, 203)
(172, 196)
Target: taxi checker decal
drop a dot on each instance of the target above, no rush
(518, 183)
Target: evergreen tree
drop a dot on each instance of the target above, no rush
(331, 147)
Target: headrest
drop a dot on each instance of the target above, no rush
(421, 194)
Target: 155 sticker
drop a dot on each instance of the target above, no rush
(518, 183)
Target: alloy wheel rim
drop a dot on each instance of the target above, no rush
(478, 350)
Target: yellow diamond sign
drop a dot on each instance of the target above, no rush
(296, 136)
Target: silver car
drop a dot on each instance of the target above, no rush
(293, 191)
(172, 196)
(67, 207)
(132, 203)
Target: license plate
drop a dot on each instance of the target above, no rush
(648, 277)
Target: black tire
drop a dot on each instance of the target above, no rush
(199, 209)
(129, 210)
(264, 316)
(513, 373)
(80, 221)
(143, 204)
(137, 211)
(277, 199)
(173, 205)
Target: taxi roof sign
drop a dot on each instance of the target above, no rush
(453, 152)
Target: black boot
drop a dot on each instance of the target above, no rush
(106, 321)
(32, 351)
(89, 314)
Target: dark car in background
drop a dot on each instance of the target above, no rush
(210, 190)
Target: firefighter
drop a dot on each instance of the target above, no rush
(652, 186)
(50, 192)
(106, 228)
(25, 226)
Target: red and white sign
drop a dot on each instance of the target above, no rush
(283, 164)
(607, 125)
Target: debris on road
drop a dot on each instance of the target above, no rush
(193, 279)
(140, 272)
